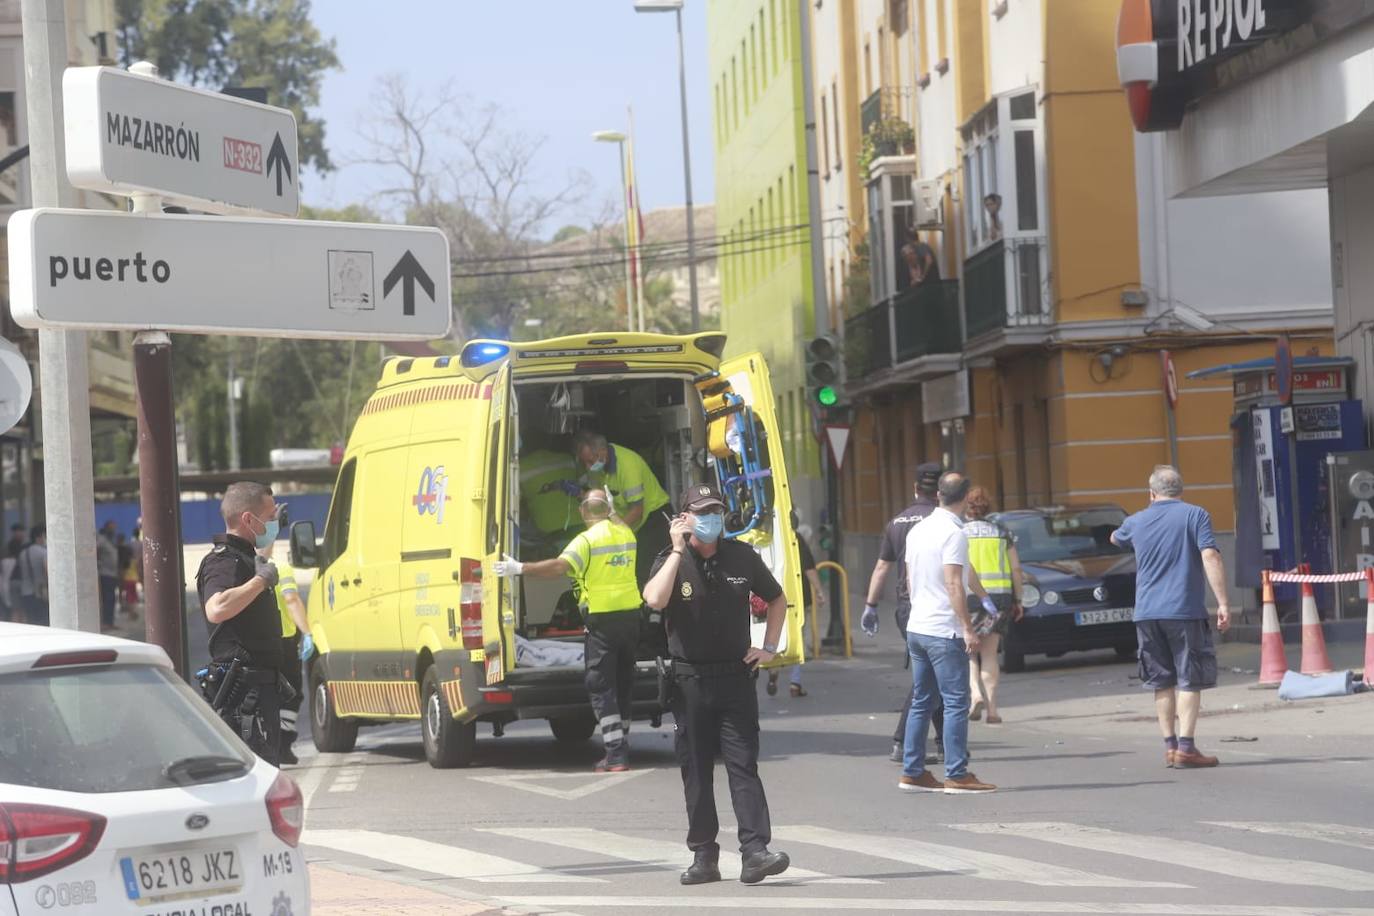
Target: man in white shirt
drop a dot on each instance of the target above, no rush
(940, 638)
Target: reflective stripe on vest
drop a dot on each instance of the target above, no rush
(988, 556)
(609, 583)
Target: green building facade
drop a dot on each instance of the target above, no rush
(762, 208)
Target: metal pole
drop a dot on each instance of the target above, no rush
(820, 306)
(639, 242)
(64, 375)
(159, 489)
(687, 180)
(625, 206)
(234, 461)
(1173, 431)
(159, 496)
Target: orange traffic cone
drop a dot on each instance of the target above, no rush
(1369, 628)
(1273, 661)
(1314, 660)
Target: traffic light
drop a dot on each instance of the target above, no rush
(823, 370)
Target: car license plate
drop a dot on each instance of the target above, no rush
(1104, 615)
(159, 875)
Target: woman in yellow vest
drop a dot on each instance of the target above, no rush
(602, 562)
(992, 554)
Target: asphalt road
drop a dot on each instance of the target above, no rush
(1087, 819)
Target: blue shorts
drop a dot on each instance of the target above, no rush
(1176, 653)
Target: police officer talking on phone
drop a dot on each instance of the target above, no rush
(236, 585)
(702, 583)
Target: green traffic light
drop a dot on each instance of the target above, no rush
(826, 396)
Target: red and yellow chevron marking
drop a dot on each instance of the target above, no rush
(392, 699)
(455, 391)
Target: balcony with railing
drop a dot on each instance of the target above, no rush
(1005, 287)
(890, 103)
(918, 322)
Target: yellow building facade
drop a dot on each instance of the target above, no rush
(1033, 362)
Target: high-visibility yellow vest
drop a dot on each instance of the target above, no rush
(286, 582)
(987, 553)
(603, 563)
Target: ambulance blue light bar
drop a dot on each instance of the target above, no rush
(479, 354)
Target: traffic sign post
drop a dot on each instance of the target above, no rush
(131, 134)
(1283, 370)
(84, 269)
(1166, 360)
(128, 133)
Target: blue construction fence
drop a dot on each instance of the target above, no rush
(200, 518)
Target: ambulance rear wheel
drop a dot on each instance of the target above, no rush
(572, 729)
(448, 743)
(331, 734)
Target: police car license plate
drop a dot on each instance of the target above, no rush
(154, 875)
(1104, 615)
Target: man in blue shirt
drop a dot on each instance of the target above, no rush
(1174, 551)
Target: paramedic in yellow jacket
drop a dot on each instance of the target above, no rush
(639, 499)
(297, 645)
(602, 562)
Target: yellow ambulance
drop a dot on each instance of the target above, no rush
(407, 618)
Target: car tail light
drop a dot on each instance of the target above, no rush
(36, 840)
(86, 657)
(470, 602)
(498, 696)
(286, 809)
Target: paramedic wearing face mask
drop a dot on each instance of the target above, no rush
(602, 561)
(639, 498)
(702, 584)
(235, 585)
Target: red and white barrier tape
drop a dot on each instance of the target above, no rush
(1308, 577)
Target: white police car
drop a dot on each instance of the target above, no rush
(121, 792)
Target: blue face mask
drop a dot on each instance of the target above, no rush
(265, 539)
(597, 467)
(707, 528)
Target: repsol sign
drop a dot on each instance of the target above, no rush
(1172, 52)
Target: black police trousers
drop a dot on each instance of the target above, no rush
(257, 716)
(720, 714)
(937, 715)
(611, 645)
(291, 670)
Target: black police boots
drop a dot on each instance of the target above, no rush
(761, 864)
(704, 869)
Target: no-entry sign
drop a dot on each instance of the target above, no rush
(85, 269)
(128, 133)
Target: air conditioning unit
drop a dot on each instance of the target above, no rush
(929, 204)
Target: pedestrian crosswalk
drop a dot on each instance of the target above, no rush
(921, 870)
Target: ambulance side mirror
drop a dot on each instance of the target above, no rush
(305, 551)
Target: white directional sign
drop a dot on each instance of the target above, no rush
(228, 275)
(128, 133)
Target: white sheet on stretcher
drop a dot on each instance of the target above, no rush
(547, 653)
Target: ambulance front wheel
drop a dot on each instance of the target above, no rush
(332, 734)
(448, 743)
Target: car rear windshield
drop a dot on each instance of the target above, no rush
(111, 728)
(1065, 535)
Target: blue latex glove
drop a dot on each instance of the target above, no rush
(307, 647)
(571, 487)
(869, 620)
(990, 606)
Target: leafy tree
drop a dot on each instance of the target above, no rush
(253, 43)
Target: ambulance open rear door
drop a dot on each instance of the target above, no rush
(746, 445)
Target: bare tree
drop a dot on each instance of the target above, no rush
(458, 169)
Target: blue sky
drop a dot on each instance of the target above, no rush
(561, 68)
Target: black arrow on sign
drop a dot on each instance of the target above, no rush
(277, 156)
(409, 270)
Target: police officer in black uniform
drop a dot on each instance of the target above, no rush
(236, 585)
(703, 583)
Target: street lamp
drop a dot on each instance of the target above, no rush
(675, 6)
(615, 136)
